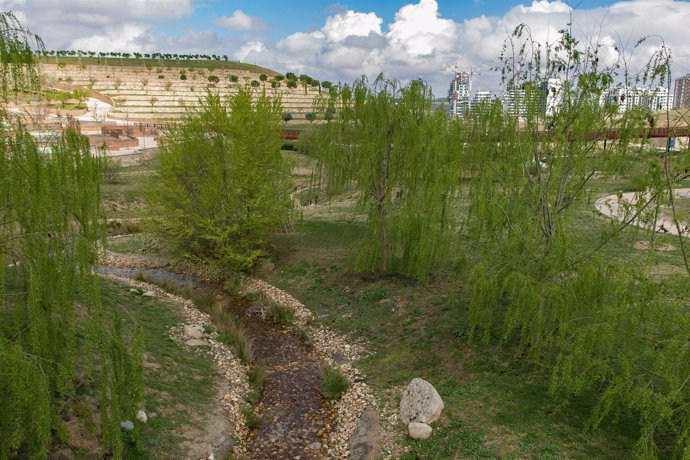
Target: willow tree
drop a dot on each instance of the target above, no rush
(389, 145)
(537, 281)
(54, 333)
(223, 183)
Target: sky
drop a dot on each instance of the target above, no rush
(404, 39)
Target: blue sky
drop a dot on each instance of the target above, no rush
(340, 41)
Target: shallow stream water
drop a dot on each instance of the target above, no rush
(296, 419)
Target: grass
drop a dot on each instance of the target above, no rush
(179, 386)
(495, 406)
(231, 332)
(253, 421)
(333, 384)
(281, 314)
(257, 379)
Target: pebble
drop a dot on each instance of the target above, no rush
(141, 416)
(149, 294)
(127, 425)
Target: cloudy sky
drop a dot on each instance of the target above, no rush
(405, 39)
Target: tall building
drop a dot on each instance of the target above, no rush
(681, 93)
(459, 94)
(553, 98)
(654, 99)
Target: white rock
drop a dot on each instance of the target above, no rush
(149, 294)
(420, 402)
(127, 425)
(142, 417)
(193, 332)
(196, 343)
(418, 430)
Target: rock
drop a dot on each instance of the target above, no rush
(134, 291)
(222, 444)
(196, 343)
(419, 430)
(149, 294)
(363, 442)
(127, 425)
(193, 332)
(142, 417)
(420, 402)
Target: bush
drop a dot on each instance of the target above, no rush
(221, 186)
(333, 384)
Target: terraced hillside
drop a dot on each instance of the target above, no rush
(164, 93)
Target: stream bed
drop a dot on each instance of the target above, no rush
(296, 419)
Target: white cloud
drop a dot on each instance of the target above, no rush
(241, 21)
(351, 24)
(126, 38)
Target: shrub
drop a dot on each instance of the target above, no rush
(223, 187)
(333, 384)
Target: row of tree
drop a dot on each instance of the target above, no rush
(135, 55)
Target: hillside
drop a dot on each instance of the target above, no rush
(164, 92)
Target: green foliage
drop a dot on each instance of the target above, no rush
(286, 116)
(213, 78)
(281, 314)
(333, 384)
(222, 182)
(310, 116)
(401, 157)
(55, 335)
(601, 328)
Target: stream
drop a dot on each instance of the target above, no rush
(296, 419)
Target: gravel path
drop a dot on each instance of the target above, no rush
(620, 208)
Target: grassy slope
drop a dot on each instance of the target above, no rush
(133, 62)
(179, 384)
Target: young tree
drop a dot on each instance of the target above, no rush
(223, 182)
(286, 116)
(55, 336)
(398, 154)
(310, 116)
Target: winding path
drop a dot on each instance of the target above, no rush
(618, 208)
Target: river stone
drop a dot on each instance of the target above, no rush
(420, 402)
(193, 332)
(149, 294)
(141, 416)
(195, 343)
(127, 425)
(419, 430)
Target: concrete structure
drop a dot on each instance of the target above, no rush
(681, 93)
(553, 96)
(654, 99)
(515, 102)
(459, 94)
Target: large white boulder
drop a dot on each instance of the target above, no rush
(420, 402)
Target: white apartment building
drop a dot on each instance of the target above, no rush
(459, 94)
(655, 99)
